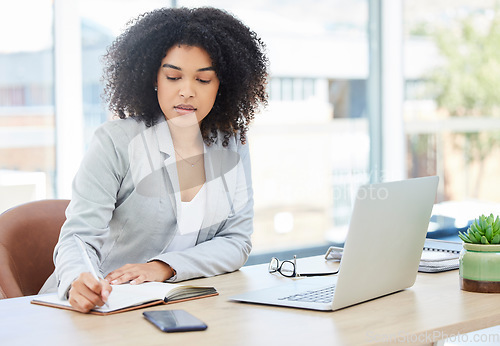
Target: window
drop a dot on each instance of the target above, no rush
(451, 107)
(310, 148)
(291, 89)
(27, 120)
(323, 133)
(98, 30)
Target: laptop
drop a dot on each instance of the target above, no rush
(381, 255)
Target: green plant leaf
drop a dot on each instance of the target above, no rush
(470, 235)
(484, 240)
(482, 222)
(465, 238)
(496, 239)
(489, 233)
(477, 228)
(474, 237)
(478, 237)
(496, 226)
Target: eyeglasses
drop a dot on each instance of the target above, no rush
(288, 268)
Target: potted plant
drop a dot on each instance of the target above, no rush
(479, 263)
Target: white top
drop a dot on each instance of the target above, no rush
(189, 222)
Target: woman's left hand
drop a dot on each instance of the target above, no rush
(138, 273)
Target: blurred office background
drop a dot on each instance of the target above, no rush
(360, 91)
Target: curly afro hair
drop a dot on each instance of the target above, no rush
(133, 60)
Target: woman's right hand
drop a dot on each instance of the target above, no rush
(86, 292)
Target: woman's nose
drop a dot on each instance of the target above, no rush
(187, 89)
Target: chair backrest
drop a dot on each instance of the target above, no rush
(28, 235)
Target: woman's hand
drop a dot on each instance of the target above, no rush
(138, 273)
(86, 292)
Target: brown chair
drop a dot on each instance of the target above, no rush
(28, 235)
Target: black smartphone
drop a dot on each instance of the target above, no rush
(174, 320)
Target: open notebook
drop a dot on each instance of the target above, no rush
(130, 297)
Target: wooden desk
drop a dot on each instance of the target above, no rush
(433, 309)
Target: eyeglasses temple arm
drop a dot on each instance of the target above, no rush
(317, 274)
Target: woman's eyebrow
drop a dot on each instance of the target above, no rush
(210, 68)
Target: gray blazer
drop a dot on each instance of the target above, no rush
(126, 200)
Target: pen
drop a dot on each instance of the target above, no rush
(86, 258)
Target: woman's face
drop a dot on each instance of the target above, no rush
(187, 85)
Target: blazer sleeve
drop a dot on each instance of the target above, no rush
(230, 247)
(94, 195)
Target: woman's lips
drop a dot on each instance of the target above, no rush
(184, 109)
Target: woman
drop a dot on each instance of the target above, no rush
(164, 193)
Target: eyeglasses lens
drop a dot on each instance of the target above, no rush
(273, 265)
(287, 268)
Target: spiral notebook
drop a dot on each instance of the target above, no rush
(437, 255)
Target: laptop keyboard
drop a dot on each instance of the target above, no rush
(323, 295)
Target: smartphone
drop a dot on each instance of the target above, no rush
(174, 320)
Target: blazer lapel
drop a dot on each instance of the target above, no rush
(166, 146)
(220, 174)
(213, 192)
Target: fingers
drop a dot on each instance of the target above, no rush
(127, 273)
(140, 272)
(138, 280)
(86, 293)
(105, 290)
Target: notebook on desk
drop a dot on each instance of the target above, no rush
(439, 256)
(381, 255)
